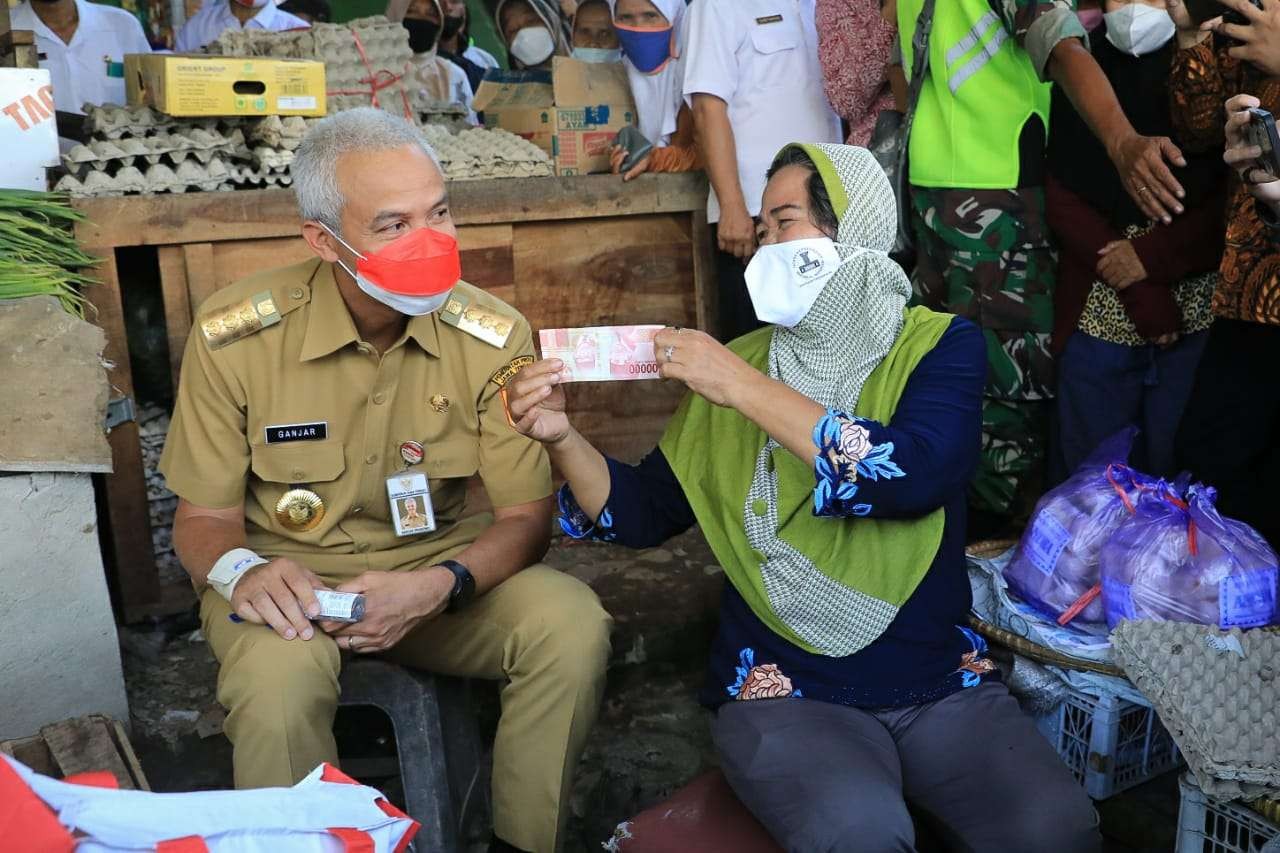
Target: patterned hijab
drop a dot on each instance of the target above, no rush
(827, 357)
(548, 11)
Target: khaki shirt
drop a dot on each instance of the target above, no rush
(436, 385)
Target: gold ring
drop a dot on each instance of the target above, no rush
(1143, 190)
(351, 644)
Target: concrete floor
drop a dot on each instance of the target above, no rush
(652, 735)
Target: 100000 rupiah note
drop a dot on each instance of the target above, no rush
(603, 353)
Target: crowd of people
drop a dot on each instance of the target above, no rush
(1086, 236)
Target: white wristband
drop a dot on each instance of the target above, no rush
(231, 566)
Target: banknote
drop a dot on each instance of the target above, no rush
(603, 353)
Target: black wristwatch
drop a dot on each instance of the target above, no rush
(464, 585)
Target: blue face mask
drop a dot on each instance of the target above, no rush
(648, 49)
(597, 54)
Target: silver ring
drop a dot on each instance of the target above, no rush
(669, 353)
(1143, 190)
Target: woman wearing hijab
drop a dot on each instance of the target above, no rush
(1132, 304)
(594, 38)
(441, 80)
(532, 31)
(652, 36)
(826, 459)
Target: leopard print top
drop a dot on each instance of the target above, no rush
(1104, 316)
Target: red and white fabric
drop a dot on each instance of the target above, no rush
(327, 812)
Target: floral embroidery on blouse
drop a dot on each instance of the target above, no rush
(576, 524)
(763, 681)
(974, 664)
(845, 453)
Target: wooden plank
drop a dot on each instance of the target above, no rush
(201, 272)
(128, 515)
(86, 745)
(177, 305)
(705, 287)
(256, 214)
(128, 756)
(488, 258)
(33, 752)
(634, 269)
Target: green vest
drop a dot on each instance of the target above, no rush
(713, 452)
(980, 91)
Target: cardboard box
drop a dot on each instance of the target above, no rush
(197, 85)
(573, 114)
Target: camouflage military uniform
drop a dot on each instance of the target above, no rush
(987, 255)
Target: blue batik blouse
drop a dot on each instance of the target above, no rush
(920, 461)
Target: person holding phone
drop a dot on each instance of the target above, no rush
(1259, 171)
(1230, 434)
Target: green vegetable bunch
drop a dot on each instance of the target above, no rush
(39, 255)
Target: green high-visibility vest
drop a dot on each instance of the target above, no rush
(981, 89)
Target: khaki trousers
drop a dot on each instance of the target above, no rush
(541, 632)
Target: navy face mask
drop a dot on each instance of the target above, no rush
(648, 49)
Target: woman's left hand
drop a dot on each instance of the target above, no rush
(1120, 265)
(706, 366)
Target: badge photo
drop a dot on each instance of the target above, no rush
(411, 509)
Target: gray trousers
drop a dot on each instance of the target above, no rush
(824, 777)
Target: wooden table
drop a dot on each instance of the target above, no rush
(577, 251)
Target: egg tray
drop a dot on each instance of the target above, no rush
(279, 132)
(386, 52)
(1218, 693)
(158, 178)
(249, 177)
(111, 121)
(480, 154)
(171, 148)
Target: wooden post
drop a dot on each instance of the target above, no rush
(127, 511)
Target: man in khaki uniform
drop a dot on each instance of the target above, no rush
(306, 401)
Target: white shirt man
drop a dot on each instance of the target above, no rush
(753, 80)
(217, 16)
(87, 67)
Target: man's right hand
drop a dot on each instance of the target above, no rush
(280, 594)
(1140, 160)
(737, 231)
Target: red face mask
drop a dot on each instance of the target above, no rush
(423, 262)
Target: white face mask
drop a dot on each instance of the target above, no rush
(597, 54)
(533, 46)
(413, 306)
(785, 279)
(1139, 29)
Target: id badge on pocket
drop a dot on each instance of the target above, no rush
(411, 509)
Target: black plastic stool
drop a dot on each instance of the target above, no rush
(437, 742)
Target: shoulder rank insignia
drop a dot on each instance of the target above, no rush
(240, 320)
(503, 376)
(479, 321)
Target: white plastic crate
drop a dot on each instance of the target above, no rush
(1212, 826)
(1108, 743)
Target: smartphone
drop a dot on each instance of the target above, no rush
(636, 146)
(1203, 10)
(1261, 131)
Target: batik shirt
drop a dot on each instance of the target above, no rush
(920, 461)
